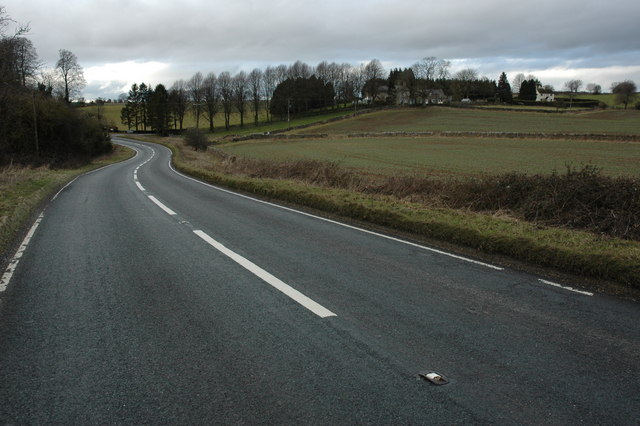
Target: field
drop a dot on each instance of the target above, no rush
(478, 120)
(462, 156)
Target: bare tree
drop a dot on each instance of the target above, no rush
(179, 101)
(625, 91)
(344, 87)
(299, 69)
(26, 57)
(464, 79)
(432, 68)
(358, 79)
(374, 74)
(211, 98)
(335, 73)
(269, 84)
(240, 94)
(593, 88)
(226, 94)
(9, 52)
(326, 72)
(323, 72)
(282, 73)
(71, 74)
(517, 82)
(196, 89)
(572, 86)
(255, 86)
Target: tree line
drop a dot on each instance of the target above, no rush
(286, 90)
(37, 122)
(280, 91)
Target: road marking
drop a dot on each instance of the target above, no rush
(162, 206)
(8, 274)
(377, 234)
(586, 293)
(294, 294)
(6, 277)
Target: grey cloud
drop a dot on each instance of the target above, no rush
(210, 33)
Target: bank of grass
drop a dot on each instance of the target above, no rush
(582, 253)
(24, 189)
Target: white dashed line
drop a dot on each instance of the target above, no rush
(586, 293)
(294, 294)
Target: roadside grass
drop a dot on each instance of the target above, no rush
(582, 253)
(24, 189)
(448, 156)
(443, 119)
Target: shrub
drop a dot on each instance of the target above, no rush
(578, 199)
(196, 139)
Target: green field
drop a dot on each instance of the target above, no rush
(463, 155)
(478, 120)
(451, 155)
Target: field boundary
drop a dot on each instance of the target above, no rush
(498, 135)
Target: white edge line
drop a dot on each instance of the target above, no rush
(13, 263)
(6, 277)
(294, 294)
(586, 293)
(162, 206)
(444, 253)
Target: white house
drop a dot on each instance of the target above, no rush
(544, 95)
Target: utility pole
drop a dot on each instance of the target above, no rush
(288, 114)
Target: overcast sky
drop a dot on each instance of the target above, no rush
(119, 42)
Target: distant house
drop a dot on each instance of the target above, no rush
(544, 95)
(436, 96)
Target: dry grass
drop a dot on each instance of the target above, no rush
(23, 189)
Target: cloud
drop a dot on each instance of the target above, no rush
(198, 35)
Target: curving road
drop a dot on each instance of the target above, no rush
(145, 296)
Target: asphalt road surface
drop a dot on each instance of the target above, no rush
(144, 296)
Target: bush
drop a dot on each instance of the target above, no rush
(196, 139)
(64, 135)
(578, 199)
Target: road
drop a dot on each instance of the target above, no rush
(145, 296)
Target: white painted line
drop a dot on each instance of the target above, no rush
(294, 294)
(6, 277)
(586, 293)
(140, 186)
(8, 274)
(162, 206)
(377, 234)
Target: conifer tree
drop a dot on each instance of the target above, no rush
(504, 89)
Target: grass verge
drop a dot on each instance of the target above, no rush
(581, 253)
(24, 189)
